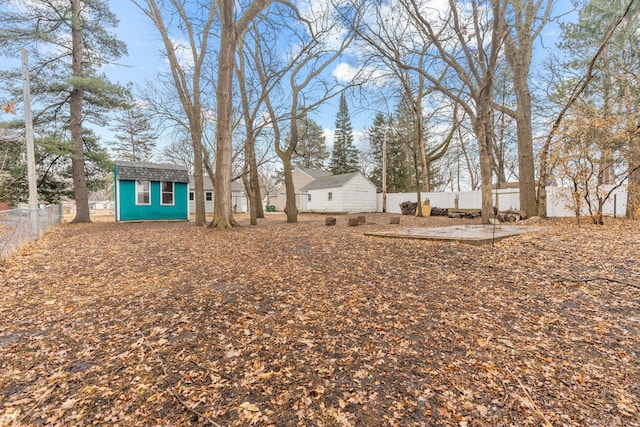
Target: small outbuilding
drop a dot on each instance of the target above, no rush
(150, 192)
(349, 193)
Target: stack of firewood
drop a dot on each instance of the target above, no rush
(439, 211)
(408, 208)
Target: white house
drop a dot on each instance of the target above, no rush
(238, 196)
(349, 193)
(301, 177)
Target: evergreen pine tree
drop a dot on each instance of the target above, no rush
(376, 140)
(311, 150)
(68, 43)
(399, 167)
(344, 157)
(135, 138)
(400, 150)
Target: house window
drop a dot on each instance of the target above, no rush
(143, 193)
(308, 197)
(167, 193)
(192, 196)
(330, 195)
(208, 196)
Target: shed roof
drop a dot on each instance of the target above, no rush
(151, 172)
(331, 181)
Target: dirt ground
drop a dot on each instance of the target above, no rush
(304, 324)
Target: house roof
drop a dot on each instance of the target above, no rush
(315, 173)
(331, 181)
(151, 172)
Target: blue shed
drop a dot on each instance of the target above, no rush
(150, 192)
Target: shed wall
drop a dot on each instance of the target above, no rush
(129, 211)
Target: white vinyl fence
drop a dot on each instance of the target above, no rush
(558, 201)
(20, 226)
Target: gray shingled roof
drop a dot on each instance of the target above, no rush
(331, 181)
(131, 171)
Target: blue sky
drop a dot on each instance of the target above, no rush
(145, 60)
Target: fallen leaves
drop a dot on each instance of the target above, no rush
(303, 324)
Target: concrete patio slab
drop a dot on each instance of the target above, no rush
(470, 234)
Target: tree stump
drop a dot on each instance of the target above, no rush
(362, 219)
(394, 220)
(353, 222)
(330, 221)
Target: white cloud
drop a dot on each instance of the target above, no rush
(347, 73)
(183, 53)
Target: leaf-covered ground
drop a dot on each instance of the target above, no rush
(305, 324)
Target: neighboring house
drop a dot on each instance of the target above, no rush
(238, 196)
(147, 191)
(348, 193)
(301, 177)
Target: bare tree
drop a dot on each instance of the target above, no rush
(305, 88)
(186, 76)
(230, 31)
(254, 124)
(465, 43)
(523, 24)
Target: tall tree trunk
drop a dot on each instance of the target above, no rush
(198, 172)
(483, 131)
(426, 179)
(416, 167)
(81, 193)
(291, 208)
(223, 215)
(246, 180)
(633, 186)
(518, 55)
(253, 189)
(254, 178)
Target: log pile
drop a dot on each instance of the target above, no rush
(408, 208)
(464, 213)
(439, 211)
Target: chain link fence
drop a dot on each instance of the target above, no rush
(20, 226)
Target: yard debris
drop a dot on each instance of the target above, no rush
(303, 324)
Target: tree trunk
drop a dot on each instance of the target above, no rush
(519, 59)
(222, 214)
(198, 173)
(290, 206)
(526, 174)
(255, 184)
(633, 186)
(426, 179)
(247, 179)
(81, 193)
(483, 132)
(253, 180)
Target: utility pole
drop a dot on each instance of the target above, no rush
(28, 134)
(384, 171)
